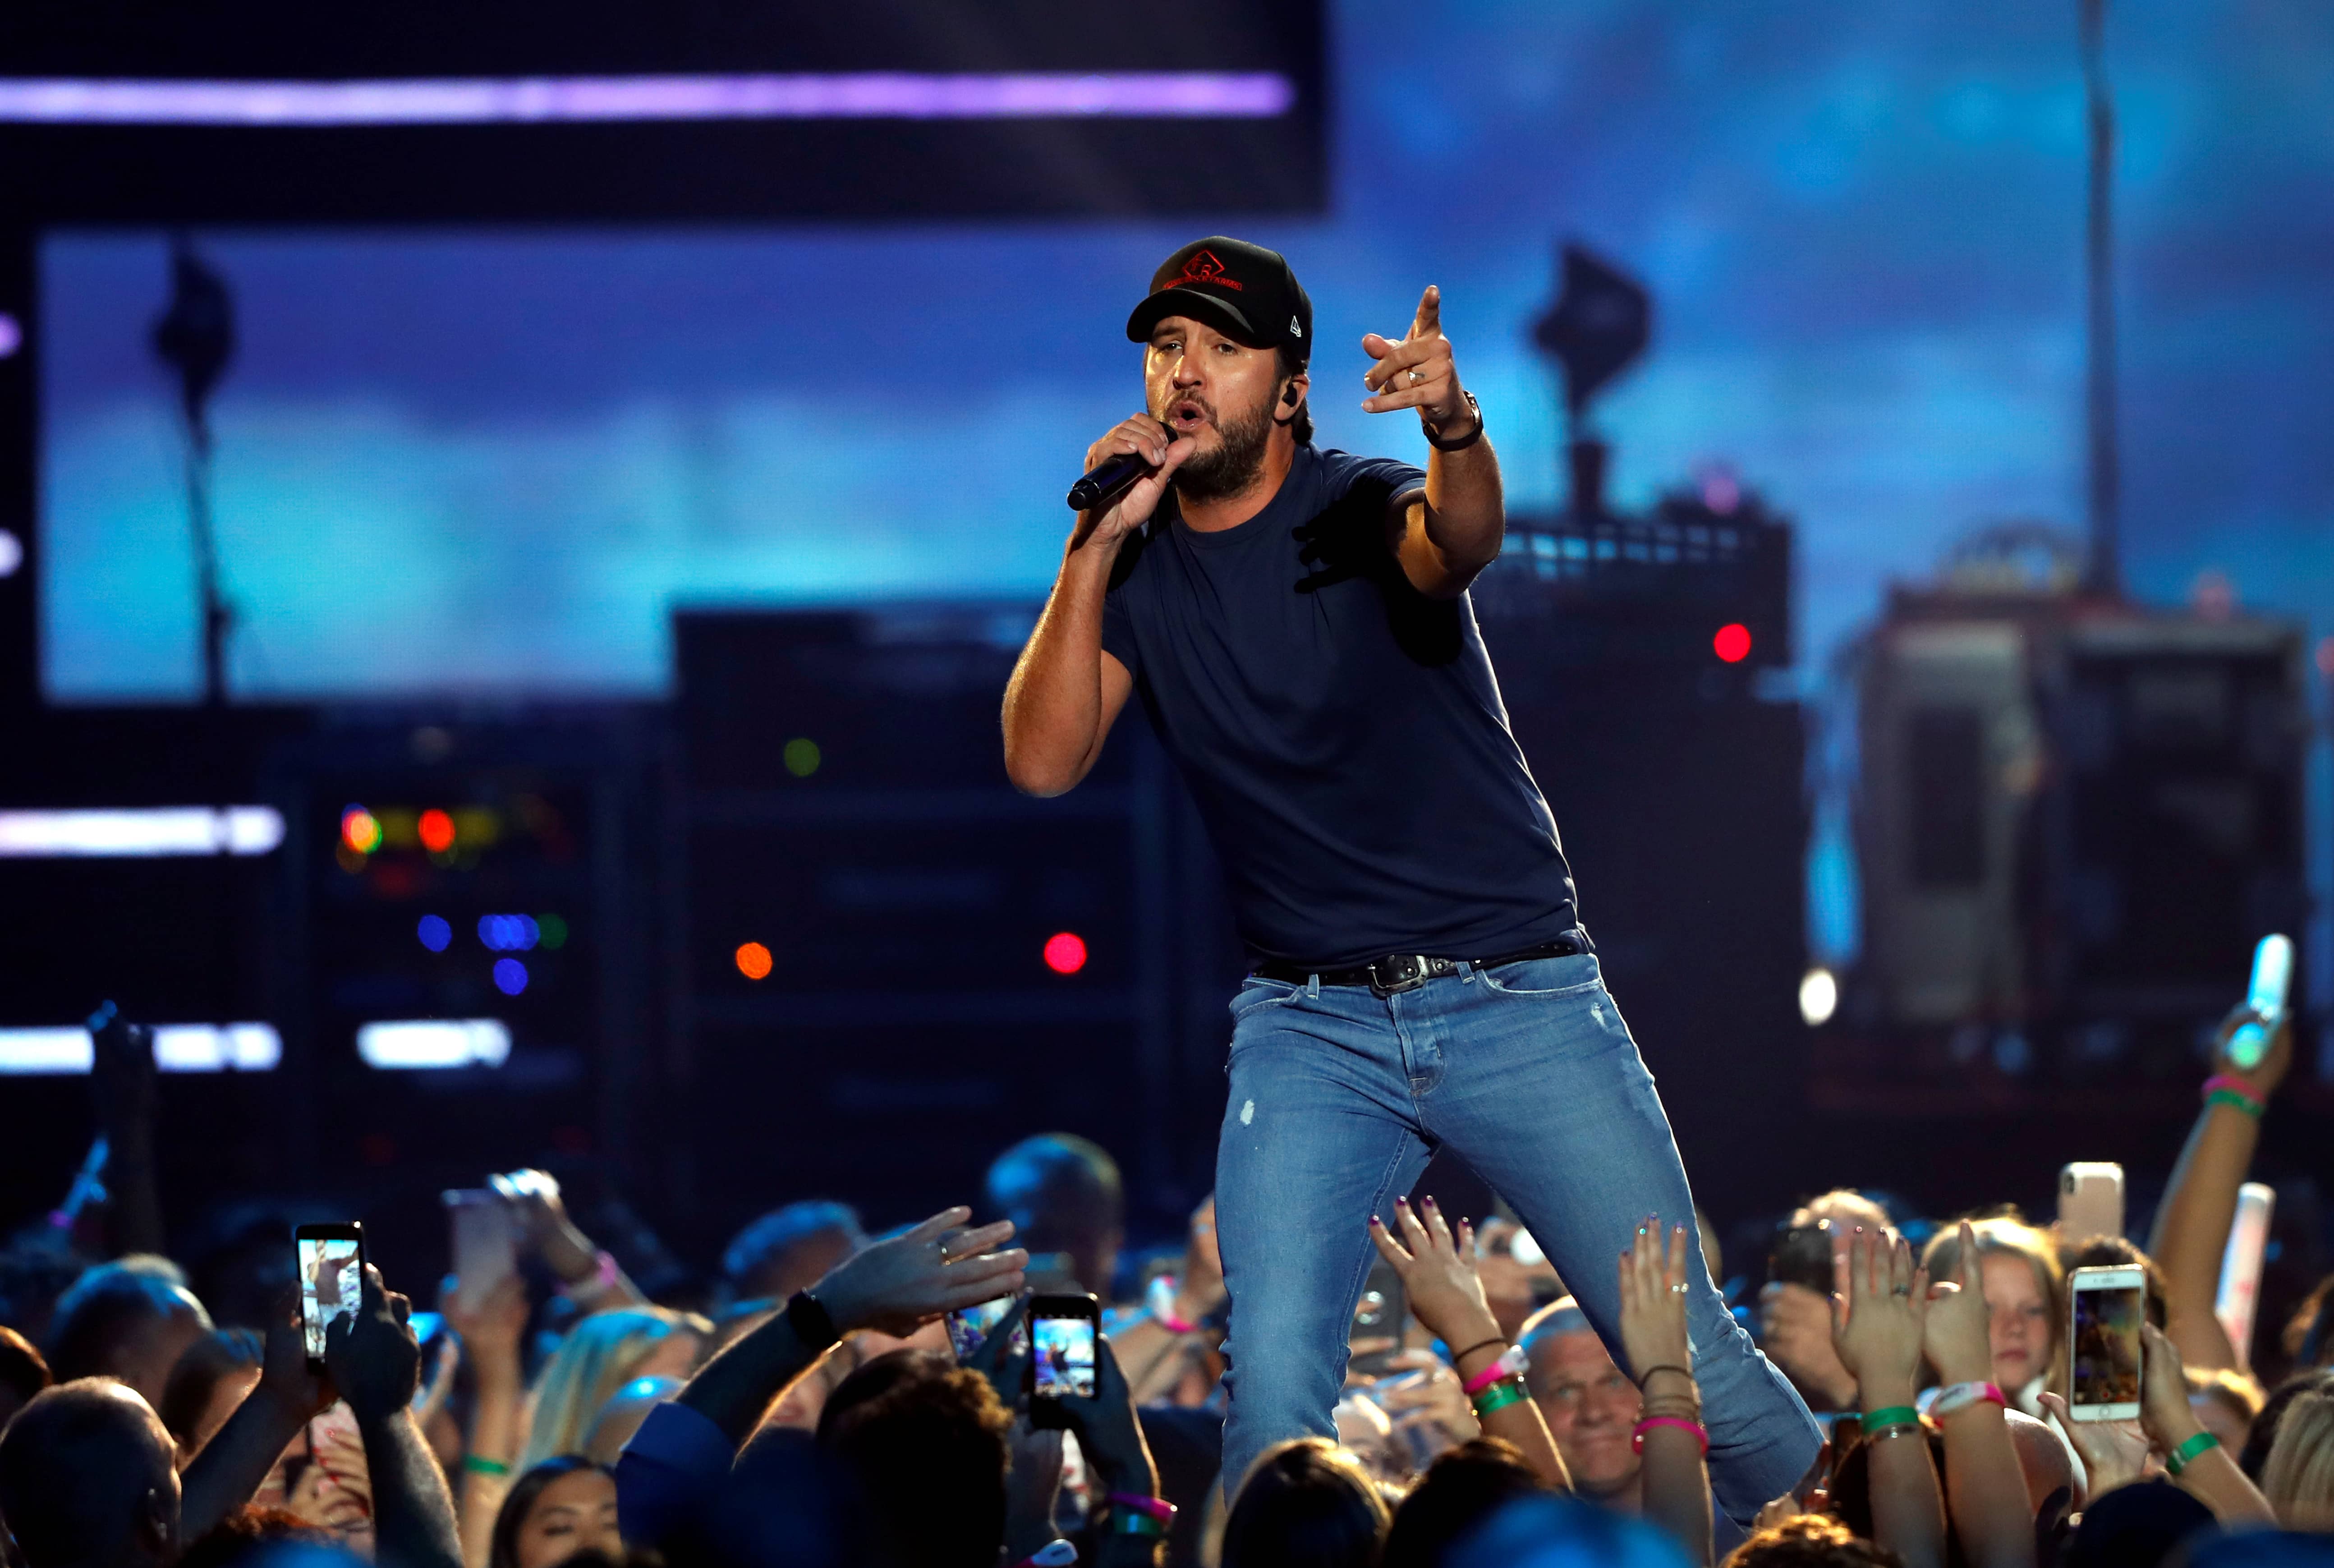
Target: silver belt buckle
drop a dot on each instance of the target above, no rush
(1409, 971)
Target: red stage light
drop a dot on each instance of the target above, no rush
(754, 960)
(1065, 952)
(437, 831)
(1732, 642)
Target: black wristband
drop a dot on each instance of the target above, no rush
(807, 1316)
(1463, 442)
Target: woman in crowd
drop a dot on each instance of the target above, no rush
(2025, 1299)
(600, 1355)
(556, 1509)
(2298, 1478)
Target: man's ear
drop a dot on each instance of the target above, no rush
(157, 1523)
(1292, 397)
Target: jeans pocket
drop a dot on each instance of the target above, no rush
(1536, 979)
(1256, 993)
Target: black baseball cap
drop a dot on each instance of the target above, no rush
(1244, 291)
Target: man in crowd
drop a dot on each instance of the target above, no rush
(788, 1249)
(1590, 1404)
(1068, 1206)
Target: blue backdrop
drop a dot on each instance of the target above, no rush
(493, 461)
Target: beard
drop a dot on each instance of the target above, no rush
(1235, 464)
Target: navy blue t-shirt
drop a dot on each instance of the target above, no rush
(1342, 732)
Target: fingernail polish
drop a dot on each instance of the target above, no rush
(1428, 1201)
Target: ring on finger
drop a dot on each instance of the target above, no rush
(1678, 1289)
(1417, 375)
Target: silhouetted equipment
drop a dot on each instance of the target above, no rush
(2076, 818)
(1602, 320)
(196, 338)
(842, 804)
(2103, 571)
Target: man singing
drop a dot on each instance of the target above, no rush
(1297, 626)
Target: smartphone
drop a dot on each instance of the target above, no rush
(2241, 1267)
(1381, 1315)
(2105, 1335)
(2090, 1199)
(483, 1242)
(1802, 1255)
(2273, 979)
(1064, 1331)
(330, 1259)
(968, 1327)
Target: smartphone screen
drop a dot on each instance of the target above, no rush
(1064, 1357)
(331, 1279)
(968, 1327)
(2108, 1307)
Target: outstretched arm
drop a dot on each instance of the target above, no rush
(2192, 1225)
(1446, 538)
(1986, 1489)
(376, 1364)
(232, 1464)
(1676, 1480)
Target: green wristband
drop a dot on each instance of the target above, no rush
(1891, 1415)
(1499, 1397)
(2185, 1455)
(478, 1465)
(1133, 1521)
(2251, 1107)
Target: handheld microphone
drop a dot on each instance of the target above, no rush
(1106, 480)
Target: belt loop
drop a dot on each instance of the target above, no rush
(1312, 988)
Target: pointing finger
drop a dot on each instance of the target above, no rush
(1429, 321)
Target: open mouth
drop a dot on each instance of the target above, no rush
(1186, 416)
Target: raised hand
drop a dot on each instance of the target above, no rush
(1879, 1314)
(1418, 372)
(1957, 1331)
(902, 1284)
(1438, 1273)
(375, 1360)
(2115, 1453)
(2265, 1075)
(1109, 1433)
(2165, 1416)
(1163, 450)
(1653, 1299)
(285, 1380)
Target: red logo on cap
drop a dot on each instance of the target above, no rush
(1203, 267)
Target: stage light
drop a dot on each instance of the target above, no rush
(12, 336)
(508, 933)
(551, 931)
(178, 1047)
(1818, 997)
(436, 933)
(436, 830)
(801, 757)
(11, 553)
(434, 1043)
(138, 832)
(754, 960)
(1065, 952)
(1731, 642)
(510, 976)
(536, 99)
(359, 830)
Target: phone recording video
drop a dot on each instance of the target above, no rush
(330, 1259)
(969, 1328)
(1063, 1332)
(1381, 1319)
(2108, 1305)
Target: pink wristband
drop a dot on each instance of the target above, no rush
(1508, 1363)
(1701, 1433)
(2233, 1084)
(1962, 1396)
(1173, 1324)
(1159, 1508)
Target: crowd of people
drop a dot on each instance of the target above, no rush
(814, 1408)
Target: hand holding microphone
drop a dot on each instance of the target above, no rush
(1133, 464)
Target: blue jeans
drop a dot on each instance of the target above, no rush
(1527, 1071)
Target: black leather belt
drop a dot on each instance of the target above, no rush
(1400, 971)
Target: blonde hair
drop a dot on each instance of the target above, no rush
(2236, 1390)
(600, 1356)
(2298, 1478)
(2008, 1236)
